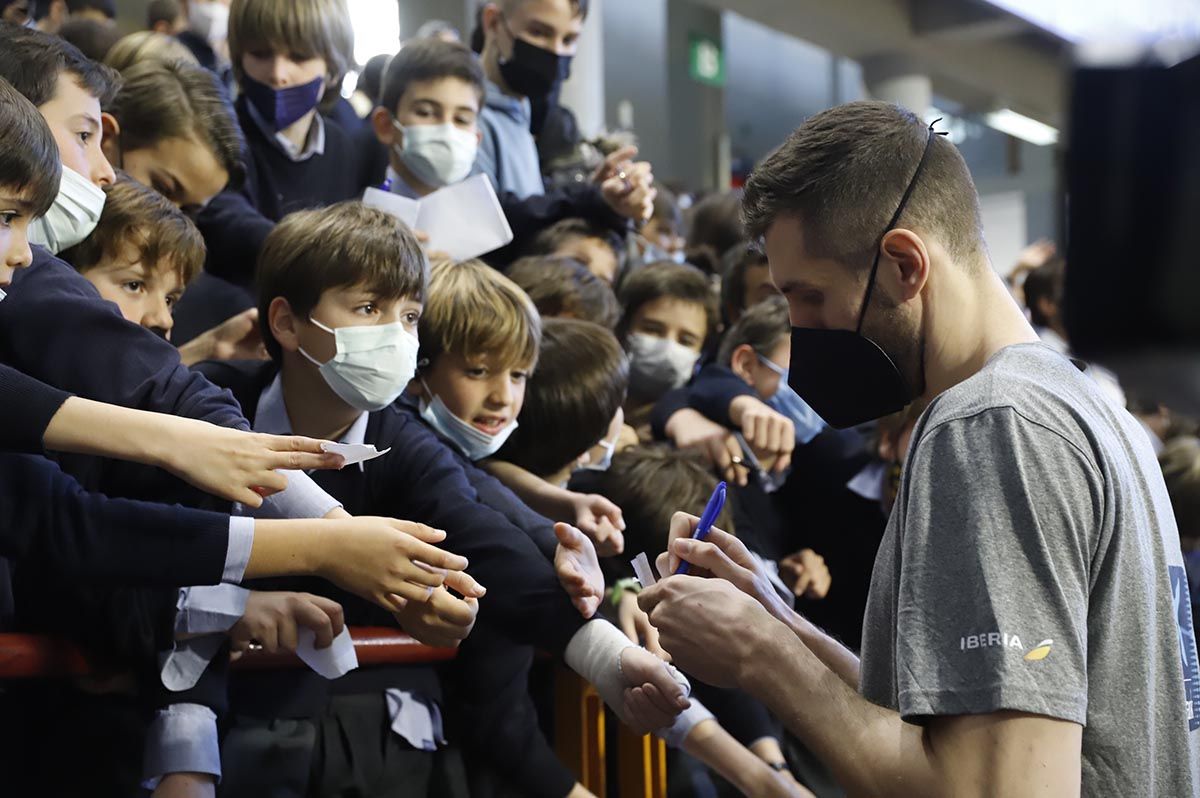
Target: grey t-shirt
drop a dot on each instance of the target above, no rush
(1032, 563)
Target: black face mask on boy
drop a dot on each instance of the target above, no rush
(843, 375)
(532, 71)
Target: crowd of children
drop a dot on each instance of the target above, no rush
(194, 301)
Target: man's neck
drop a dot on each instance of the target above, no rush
(313, 409)
(406, 174)
(982, 319)
(297, 132)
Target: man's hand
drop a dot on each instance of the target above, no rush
(636, 625)
(690, 429)
(237, 338)
(601, 521)
(445, 620)
(772, 435)
(806, 574)
(723, 556)
(620, 160)
(653, 698)
(578, 569)
(273, 620)
(387, 561)
(232, 464)
(186, 785)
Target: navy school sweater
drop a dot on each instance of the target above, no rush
(236, 223)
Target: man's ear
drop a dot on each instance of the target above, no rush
(284, 325)
(904, 264)
(385, 131)
(110, 139)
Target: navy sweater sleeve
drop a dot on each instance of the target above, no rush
(234, 231)
(46, 516)
(421, 480)
(670, 404)
(714, 388)
(55, 327)
(26, 407)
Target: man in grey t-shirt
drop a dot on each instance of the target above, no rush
(1028, 631)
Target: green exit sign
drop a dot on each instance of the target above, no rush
(706, 62)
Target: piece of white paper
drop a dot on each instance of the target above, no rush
(464, 220)
(643, 571)
(337, 660)
(402, 208)
(354, 452)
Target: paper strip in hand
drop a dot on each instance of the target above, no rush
(354, 452)
(336, 660)
(643, 571)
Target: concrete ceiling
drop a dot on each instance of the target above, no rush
(974, 53)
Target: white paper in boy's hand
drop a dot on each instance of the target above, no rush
(643, 571)
(354, 452)
(464, 220)
(337, 660)
(402, 208)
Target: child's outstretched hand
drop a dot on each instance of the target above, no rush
(601, 521)
(389, 562)
(578, 569)
(445, 620)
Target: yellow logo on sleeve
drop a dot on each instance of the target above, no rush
(1040, 651)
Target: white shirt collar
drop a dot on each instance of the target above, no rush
(314, 144)
(270, 416)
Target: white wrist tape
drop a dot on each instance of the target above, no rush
(595, 654)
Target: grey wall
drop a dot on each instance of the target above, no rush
(635, 70)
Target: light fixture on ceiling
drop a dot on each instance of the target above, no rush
(1009, 121)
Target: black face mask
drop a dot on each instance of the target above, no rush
(843, 375)
(533, 71)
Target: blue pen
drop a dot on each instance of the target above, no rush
(716, 503)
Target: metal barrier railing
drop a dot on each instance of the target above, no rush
(579, 710)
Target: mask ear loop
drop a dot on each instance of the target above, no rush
(912, 184)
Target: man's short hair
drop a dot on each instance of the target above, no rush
(1180, 461)
(429, 59)
(474, 311)
(763, 327)
(147, 45)
(564, 287)
(715, 221)
(734, 265)
(570, 400)
(1044, 282)
(666, 279)
(579, 6)
(30, 163)
(141, 218)
(171, 99)
(93, 37)
(342, 245)
(106, 7)
(843, 172)
(32, 61)
(651, 483)
(162, 11)
(305, 28)
(548, 241)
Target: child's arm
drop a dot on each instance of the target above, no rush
(225, 462)
(596, 516)
(714, 746)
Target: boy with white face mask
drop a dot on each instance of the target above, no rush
(428, 120)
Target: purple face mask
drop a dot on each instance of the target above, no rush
(282, 107)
